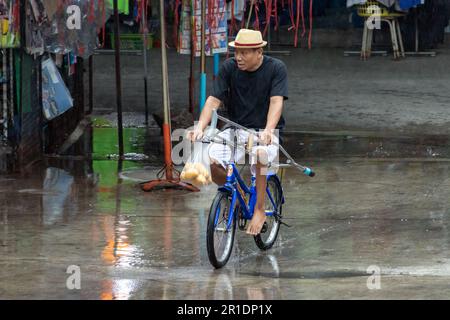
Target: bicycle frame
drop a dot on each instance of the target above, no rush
(234, 180)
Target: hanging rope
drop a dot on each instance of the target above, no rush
(232, 20)
(291, 14)
(303, 18)
(268, 15)
(101, 4)
(310, 24)
(176, 22)
(275, 13)
(256, 24)
(296, 25)
(91, 15)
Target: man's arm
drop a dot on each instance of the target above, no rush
(205, 118)
(273, 118)
(275, 112)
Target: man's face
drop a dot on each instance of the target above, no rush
(248, 59)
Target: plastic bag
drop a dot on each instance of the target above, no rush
(197, 170)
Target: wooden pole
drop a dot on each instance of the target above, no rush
(166, 101)
(118, 80)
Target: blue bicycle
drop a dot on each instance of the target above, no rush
(234, 206)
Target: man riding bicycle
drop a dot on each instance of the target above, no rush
(253, 88)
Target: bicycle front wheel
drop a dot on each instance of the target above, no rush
(220, 236)
(273, 204)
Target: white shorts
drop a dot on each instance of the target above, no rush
(222, 153)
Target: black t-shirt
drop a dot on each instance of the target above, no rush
(246, 95)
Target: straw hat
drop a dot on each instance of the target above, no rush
(248, 39)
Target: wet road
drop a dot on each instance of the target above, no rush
(368, 206)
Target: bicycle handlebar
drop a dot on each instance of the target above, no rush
(215, 117)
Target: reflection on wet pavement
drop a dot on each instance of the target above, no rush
(359, 211)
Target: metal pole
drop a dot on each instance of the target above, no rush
(417, 29)
(216, 65)
(145, 36)
(191, 80)
(203, 58)
(91, 84)
(166, 101)
(191, 69)
(4, 92)
(250, 13)
(118, 79)
(203, 35)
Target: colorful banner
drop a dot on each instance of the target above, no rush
(10, 23)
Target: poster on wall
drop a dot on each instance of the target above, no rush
(56, 98)
(216, 27)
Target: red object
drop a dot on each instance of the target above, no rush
(291, 13)
(170, 182)
(310, 24)
(303, 19)
(248, 44)
(177, 22)
(275, 9)
(268, 15)
(297, 24)
(256, 16)
(91, 16)
(168, 151)
(102, 5)
(233, 19)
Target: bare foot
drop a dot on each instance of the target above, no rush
(257, 223)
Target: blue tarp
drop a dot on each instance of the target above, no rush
(56, 97)
(408, 4)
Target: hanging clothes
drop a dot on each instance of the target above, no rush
(52, 34)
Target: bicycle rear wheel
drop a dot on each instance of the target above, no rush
(220, 238)
(266, 240)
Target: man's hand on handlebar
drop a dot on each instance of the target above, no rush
(195, 135)
(266, 137)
